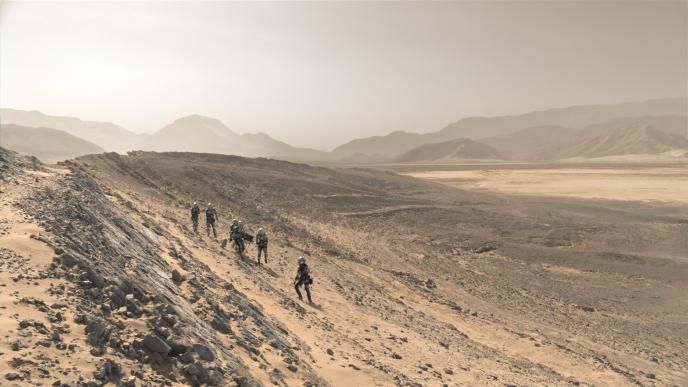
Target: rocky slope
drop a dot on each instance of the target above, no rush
(415, 283)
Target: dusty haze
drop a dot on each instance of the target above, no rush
(320, 74)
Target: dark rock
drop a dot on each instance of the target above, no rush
(396, 356)
(128, 382)
(108, 370)
(204, 352)
(330, 352)
(80, 319)
(98, 331)
(178, 344)
(292, 368)
(13, 376)
(242, 381)
(215, 378)
(177, 277)
(17, 345)
(187, 358)
(155, 344)
(220, 325)
(68, 260)
(97, 351)
(449, 371)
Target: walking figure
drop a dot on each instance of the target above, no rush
(210, 217)
(262, 244)
(303, 277)
(195, 211)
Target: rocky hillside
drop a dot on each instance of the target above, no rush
(453, 151)
(415, 283)
(49, 145)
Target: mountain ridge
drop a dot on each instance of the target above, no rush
(450, 151)
(484, 127)
(46, 144)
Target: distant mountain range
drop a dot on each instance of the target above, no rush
(193, 133)
(49, 145)
(583, 132)
(104, 134)
(480, 128)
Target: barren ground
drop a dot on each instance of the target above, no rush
(669, 184)
(416, 283)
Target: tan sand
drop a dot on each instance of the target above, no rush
(645, 184)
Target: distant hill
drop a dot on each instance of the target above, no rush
(108, 136)
(528, 144)
(450, 151)
(201, 134)
(48, 145)
(485, 127)
(633, 140)
(193, 133)
(382, 146)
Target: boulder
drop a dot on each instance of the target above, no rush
(108, 370)
(177, 277)
(204, 352)
(215, 378)
(68, 260)
(155, 344)
(98, 331)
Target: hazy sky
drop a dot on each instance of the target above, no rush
(319, 74)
